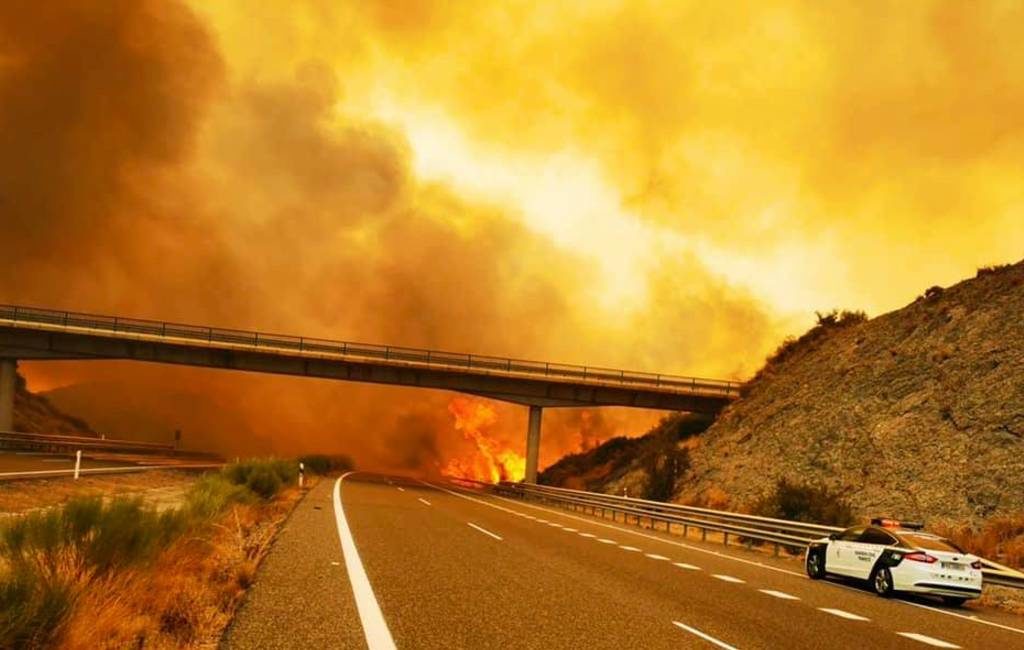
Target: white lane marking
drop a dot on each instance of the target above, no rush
(541, 521)
(589, 535)
(725, 578)
(799, 574)
(963, 616)
(607, 541)
(424, 501)
(401, 489)
(569, 530)
(631, 549)
(688, 567)
(779, 594)
(841, 614)
(378, 637)
(707, 637)
(554, 525)
(655, 556)
(938, 643)
(485, 532)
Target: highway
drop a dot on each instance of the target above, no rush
(382, 562)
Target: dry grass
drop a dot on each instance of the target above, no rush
(1000, 539)
(21, 496)
(186, 598)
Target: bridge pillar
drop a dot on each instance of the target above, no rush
(533, 443)
(8, 369)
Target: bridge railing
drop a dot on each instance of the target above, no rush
(435, 358)
(748, 529)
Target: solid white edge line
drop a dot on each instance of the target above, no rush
(484, 531)
(378, 636)
(707, 637)
(938, 643)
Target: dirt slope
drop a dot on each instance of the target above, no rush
(916, 413)
(35, 414)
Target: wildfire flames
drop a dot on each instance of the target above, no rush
(492, 460)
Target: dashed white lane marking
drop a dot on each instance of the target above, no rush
(401, 489)
(424, 501)
(378, 637)
(588, 535)
(779, 594)
(725, 578)
(688, 567)
(607, 541)
(541, 521)
(725, 556)
(554, 525)
(631, 549)
(707, 637)
(569, 530)
(484, 531)
(841, 614)
(655, 556)
(938, 643)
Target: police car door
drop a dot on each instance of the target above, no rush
(840, 550)
(864, 552)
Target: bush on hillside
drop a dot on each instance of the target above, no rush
(826, 323)
(808, 503)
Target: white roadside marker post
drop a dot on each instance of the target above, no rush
(78, 462)
(301, 472)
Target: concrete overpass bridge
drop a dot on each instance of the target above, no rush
(28, 333)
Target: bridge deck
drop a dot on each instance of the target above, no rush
(31, 333)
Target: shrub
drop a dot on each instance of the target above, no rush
(809, 503)
(263, 481)
(323, 464)
(32, 608)
(212, 493)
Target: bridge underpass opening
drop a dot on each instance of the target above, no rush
(28, 333)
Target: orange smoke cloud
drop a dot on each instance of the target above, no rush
(648, 190)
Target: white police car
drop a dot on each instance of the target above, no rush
(895, 557)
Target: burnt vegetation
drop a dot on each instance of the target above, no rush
(827, 323)
(805, 502)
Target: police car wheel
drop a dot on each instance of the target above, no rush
(816, 564)
(881, 581)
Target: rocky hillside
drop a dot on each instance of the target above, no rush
(646, 467)
(918, 413)
(35, 414)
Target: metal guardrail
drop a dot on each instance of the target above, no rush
(55, 473)
(20, 440)
(749, 529)
(345, 349)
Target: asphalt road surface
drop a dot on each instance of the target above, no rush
(385, 562)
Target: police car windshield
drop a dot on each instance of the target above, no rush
(929, 543)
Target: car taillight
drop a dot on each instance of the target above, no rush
(976, 565)
(920, 557)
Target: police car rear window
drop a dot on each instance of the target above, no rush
(929, 543)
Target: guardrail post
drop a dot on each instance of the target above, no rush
(776, 549)
(703, 534)
(78, 463)
(725, 539)
(8, 381)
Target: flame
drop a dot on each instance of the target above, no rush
(492, 460)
